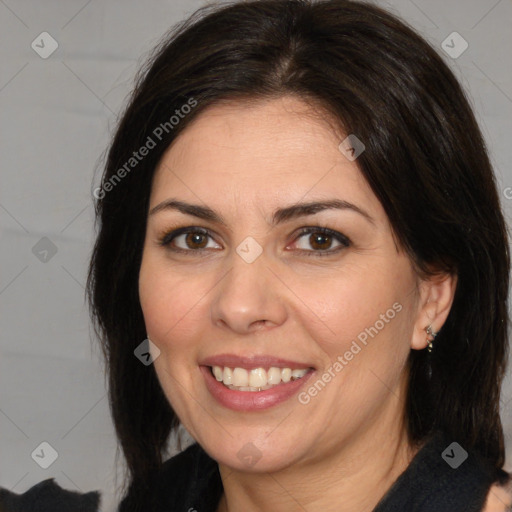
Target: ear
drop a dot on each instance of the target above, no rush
(435, 301)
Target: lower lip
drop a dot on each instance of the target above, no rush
(252, 400)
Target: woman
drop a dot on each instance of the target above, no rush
(300, 230)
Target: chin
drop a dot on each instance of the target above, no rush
(253, 454)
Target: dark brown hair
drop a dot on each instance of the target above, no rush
(425, 160)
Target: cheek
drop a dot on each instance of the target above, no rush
(354, 300)
(169, 302)
(367, 319)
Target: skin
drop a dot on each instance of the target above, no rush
(244, 161)
(499, 498)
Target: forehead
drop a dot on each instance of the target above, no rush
(269, 152)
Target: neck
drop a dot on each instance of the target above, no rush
(351, 478)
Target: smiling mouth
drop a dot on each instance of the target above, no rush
(256, 379)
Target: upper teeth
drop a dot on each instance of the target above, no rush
(257, 377)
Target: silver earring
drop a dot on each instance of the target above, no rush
(432, 333)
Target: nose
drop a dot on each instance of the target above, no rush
(249, 297)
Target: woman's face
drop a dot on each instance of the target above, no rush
(256, 292)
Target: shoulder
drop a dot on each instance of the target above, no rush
(458, 480)
(47, 496)
(499, 498)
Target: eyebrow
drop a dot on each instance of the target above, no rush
(279, 216)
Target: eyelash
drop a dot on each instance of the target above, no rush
(166, 239)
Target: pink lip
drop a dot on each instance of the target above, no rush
(252, 400)
(253, 361)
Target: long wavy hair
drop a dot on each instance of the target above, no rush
(425, 160)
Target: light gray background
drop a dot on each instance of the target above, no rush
(56, 117)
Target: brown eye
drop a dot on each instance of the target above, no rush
(321, 240)
(193, 240)
(187, 239)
